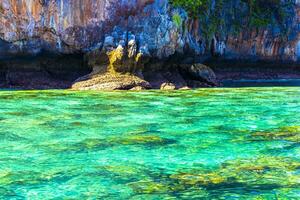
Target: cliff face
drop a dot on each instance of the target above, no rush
(64, 26)
(140, 30)
(29, 26)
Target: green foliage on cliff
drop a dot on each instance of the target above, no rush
(192, 6)
(264, 12)
(177, 19)
(201, 10)
(258, 13)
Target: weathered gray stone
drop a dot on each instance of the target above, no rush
(200, 72)
(70, 26)
(110, 81)
(167, 86)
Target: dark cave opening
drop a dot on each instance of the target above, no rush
(43, 71)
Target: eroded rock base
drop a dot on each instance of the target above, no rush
(76, 72)
(110, 81)
(250, 70)
(42, 72)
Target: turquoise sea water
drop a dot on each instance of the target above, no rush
(201, 144)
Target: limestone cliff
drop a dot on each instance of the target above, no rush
(129, 36)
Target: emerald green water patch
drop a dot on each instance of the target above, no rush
(199, 144)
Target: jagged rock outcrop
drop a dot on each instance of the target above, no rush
(69, 26)
(199, 72)
(131, 37)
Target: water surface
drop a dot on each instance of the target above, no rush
(201, 144)
(262, 83)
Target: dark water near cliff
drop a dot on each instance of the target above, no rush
(201, 144)
(262, 83)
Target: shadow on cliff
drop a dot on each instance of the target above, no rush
(247, 73)
(54, 71)
(45, 71)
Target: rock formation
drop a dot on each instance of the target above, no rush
(129, 44)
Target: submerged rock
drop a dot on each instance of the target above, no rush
(290, 133)
(255, 174)
(149, 187)
(95, 143)
(200, 179)
(144, 139)
(291, 129)
(263, 172)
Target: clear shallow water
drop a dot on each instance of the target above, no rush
(202, 144)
